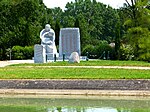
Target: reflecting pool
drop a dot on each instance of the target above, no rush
(74, 104)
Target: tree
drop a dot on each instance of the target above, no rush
(4, 15)
(144, 45)
(96, 20)
(138, 28)
(110, 20)
(57, 30)
(22, 20)
(76, 24)
(117, 41)
(20, 23)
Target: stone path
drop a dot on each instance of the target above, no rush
(98, 67)
(6, 63)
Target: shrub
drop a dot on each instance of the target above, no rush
(145, 56)
(28, 52)
(126, 52)
(97, 51)
(90, 49)
(1, 51)
(144, 47)
(19, 52)
(104, 50)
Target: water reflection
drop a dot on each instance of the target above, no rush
(74, 104)
(82, 110)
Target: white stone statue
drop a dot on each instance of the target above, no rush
(47, 36)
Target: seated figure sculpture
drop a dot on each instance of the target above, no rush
(47, 36)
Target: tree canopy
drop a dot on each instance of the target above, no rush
(22, 20)
(137, 22)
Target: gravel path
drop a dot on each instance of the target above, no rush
(6, 63)
(98, 67)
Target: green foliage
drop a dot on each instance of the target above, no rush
(99, 51)
(19, 52)
(140, 42)
(90, 49)
(144, 46)
(22, 20)
(28, 52)
(138, 28)
(126, 52)
(103, 50)
(95, 20)
(20, 23)
(117, 41)
(110, 20)
(57, 30)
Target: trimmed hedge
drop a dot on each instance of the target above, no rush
(19, 52)
(99, 51)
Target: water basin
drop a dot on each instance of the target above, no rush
(73, 104)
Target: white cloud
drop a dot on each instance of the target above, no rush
(62, 3)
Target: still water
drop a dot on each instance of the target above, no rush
(73, 104)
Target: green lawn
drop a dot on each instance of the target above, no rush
(93, 63)
(42, 71)
(71, 73)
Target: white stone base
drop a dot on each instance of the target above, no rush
(39, 54)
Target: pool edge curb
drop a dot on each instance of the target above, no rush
(74, 92)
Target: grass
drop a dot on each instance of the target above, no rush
(42, 71)
(93, 63)
(22, 72)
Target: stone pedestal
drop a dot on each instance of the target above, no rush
(69, 41)
(39, 54)
(49, 52)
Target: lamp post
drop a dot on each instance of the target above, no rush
(104, 58)
(9, 51)
(63, 56)
(87, 56)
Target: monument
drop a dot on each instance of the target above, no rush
(47, 50)
(69, 41)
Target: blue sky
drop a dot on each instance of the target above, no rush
(62, 3)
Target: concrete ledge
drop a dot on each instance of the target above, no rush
(73, 92)
(76, 87)
(132, 85)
